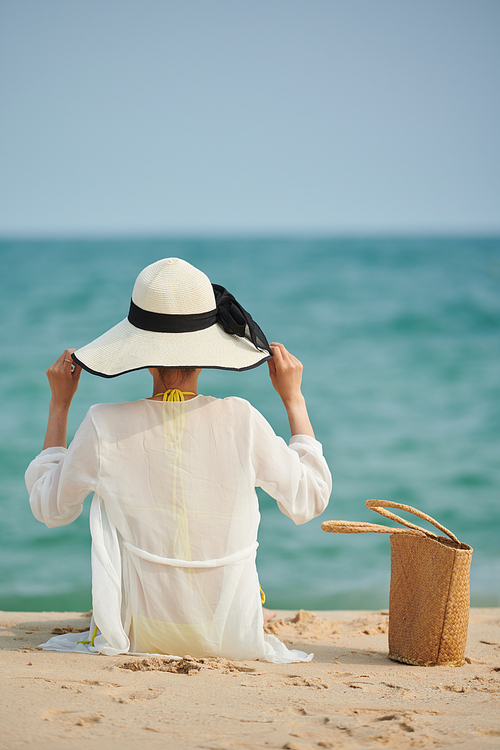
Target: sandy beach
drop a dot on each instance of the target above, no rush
(351, 695)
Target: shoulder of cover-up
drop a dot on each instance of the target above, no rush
(236, 401)
(240, 405)
(230, 404)
(104, 413)
(97, 410)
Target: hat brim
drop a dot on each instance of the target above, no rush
(125, 348)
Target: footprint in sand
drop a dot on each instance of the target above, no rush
(142, 695)
(69, 716)
(93, 719)
(314, 682)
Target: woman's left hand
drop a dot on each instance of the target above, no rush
(63, 378)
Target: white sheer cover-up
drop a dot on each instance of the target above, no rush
(174, 522)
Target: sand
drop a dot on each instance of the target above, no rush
(350, 696)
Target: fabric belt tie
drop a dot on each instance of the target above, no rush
(215, 563)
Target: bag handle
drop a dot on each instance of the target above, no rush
(359, 527)
(380, 507)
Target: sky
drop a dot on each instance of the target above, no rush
(227, 117)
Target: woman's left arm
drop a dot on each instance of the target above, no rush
(63, 378)
(297, 475)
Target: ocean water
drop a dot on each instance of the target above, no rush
(400, 340)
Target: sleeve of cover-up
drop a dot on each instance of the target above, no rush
(59, 479)
(295, 475)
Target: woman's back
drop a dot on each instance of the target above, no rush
(177, 477)
(175, 486)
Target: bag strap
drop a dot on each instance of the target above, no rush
(359, 527)
(380, 507)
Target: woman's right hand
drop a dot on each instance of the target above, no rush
(63, 378)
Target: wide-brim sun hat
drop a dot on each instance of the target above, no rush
(177, 318)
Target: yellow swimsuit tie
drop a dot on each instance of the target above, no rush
(174, 394)
(92, 639)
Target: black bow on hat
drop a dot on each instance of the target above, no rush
(236, 320)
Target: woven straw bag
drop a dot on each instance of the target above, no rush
(429, 597)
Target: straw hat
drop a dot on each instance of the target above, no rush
(177, 318)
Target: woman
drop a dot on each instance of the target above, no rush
(175, 515)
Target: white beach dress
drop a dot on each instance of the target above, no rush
(174, 522)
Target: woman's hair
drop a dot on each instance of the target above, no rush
(181, 373)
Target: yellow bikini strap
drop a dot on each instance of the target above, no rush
(174, 394)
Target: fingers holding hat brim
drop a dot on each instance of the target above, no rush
(285, 371)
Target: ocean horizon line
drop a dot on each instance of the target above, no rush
(257, 235)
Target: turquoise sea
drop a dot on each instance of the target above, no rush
(400, 340)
